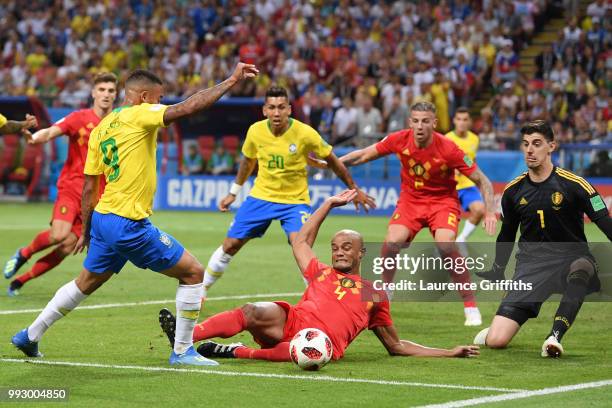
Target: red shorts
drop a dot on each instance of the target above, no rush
(68, 208)
(297, 319)
(441, 212)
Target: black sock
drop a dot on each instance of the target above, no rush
(15, 284)
(568, 308)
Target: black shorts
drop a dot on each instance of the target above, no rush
(546, 277)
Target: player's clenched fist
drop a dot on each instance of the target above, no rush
(224, 205)
(243, 71)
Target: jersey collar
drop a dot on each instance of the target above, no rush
(286, 130)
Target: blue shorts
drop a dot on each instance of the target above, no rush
(255, 216)
(468, 195)
(115, 240)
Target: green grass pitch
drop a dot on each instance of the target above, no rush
(124, 344)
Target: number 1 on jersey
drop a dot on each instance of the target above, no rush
(541, 213)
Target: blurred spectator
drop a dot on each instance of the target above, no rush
(345, 122)
(221, 162)
(506, 64)
(369, 121)
(193, 163)
(396, 116)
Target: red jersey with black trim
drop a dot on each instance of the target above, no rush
(428, 171)
(342, 305)
(77, 126)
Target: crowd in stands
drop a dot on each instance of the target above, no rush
(353, 67)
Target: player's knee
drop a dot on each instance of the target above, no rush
(56, 236)
(231, 246)
(497, 340)
(196, 270)
(477, 209)
(252, 314)
(581, 269)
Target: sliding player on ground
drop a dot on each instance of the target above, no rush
(336, 301)
(122, 147)
(548, 203)
(280, 146)
(428, 197)
(66, 224)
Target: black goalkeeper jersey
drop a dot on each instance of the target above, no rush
(551, 211)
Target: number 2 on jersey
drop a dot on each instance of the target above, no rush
(113, 160)
(541, 213)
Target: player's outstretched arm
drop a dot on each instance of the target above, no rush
(89, 199)
(204, 98)
(302, 244)
(396, 347)
(247, 165)
(16, 126)
(605, 225)
(44, 135)
(362, 199)
(360, 156)
(486, 189)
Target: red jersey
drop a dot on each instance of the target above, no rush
(428, 171)
(77, 126)
(342, 305)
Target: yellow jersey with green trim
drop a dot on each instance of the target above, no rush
(282, 175)
(469, 145)
(122, 147)
(3, 120)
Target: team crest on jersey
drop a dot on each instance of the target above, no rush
(347, 283)
(418, 169)
(292, 148)
(63, 209)
(396, 216)
(556, 198)
(165, 239)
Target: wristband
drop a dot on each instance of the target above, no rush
(235, 189)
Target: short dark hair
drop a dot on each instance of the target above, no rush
(538, 126)
(105, 77)
(143, 76)
(277, 91)
(462, 109)
(423, 107)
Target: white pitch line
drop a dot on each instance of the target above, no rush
(313, 377)
(158, 302)
(520, 395)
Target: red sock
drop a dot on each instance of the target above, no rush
(41, 266)
(40, 242)
(224, 325)
(278, 353)
(467, 295)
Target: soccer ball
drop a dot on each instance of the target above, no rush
(310, 349)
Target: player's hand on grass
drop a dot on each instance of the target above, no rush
(465, 351)
(342, 198)
(244, 71)
(82, 243)
(365, 201)
(490, 223)
(224, 205)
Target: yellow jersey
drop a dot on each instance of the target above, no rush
(122, 147)
(3, 120)
(282, 176)
(469, 145)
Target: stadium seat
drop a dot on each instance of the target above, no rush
(230, 143)
(206, 145)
